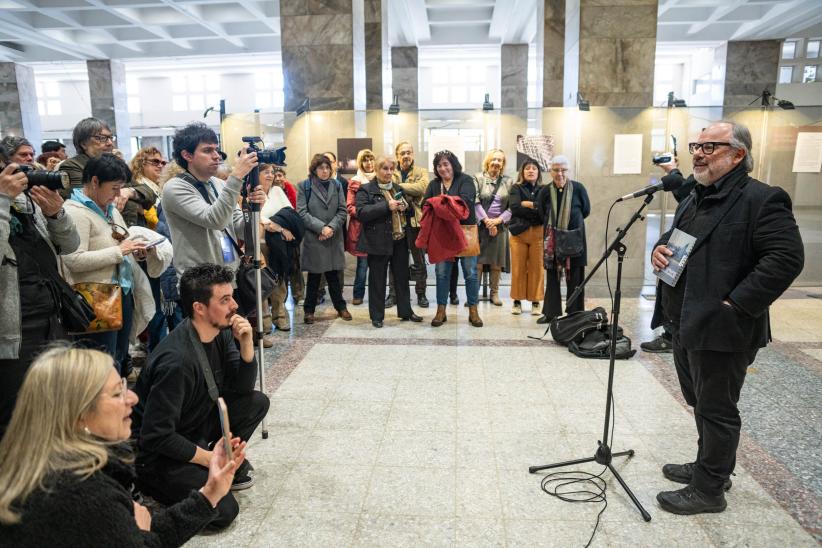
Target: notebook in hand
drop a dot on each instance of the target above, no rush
(681, 243)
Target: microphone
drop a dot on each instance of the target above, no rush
(672, 183)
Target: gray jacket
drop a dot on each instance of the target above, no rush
(60, 235)
(317, 257)
(197, 226)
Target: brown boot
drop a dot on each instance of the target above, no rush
(440, 317)
(494, 285)
(473, 316)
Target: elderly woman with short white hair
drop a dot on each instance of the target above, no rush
(564, 205)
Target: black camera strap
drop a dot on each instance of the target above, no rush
(201, 188)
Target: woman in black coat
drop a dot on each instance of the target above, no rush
(66, 471)
(553, 201)
(383, 238)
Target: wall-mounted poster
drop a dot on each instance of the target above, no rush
(347, 150)
(536, 147)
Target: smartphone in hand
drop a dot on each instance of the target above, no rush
(222, 409)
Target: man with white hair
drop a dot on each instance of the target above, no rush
(747, 253)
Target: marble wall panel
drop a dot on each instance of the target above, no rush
(373, 62)
(308, 73)
(553, 57)
(750, 68)
(329, 6)
(514, 76)
(18, 103)
(373, 11)
(109, 99)
(310, 30)
(405, 76)
(619, 22)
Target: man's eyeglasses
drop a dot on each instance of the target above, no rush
(118, 232)
(707, 148)
(559, 170)
(104, 138)
(157, 163)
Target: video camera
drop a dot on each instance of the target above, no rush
(264, 156)
(52, 180)
(665, 157)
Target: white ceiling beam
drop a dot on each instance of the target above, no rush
(193, 12)
(409, 19)
(510, 21)
(27, 34)
(717, 14)
(785, 15)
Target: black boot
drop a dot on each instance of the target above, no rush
(682, 473)
(422, 300)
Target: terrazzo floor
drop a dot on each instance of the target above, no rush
(416, 436)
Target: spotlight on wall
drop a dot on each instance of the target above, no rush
(583, 105)
(674, 102)
(487, 104)
(394, 108)
(768, 100)
(304, 107)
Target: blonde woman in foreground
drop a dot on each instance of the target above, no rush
(66, 471)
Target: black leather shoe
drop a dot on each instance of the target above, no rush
(455, 300)
(413, 318)
(543, 320)
(390, 301)
(376, 323)
(682, 473)
(689, 500)
(422, 301)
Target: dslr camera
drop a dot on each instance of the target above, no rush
(265, 155)
(52, 180)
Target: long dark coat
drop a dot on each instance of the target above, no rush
(748, 252)
(316, 256)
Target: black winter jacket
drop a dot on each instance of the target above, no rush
(99, 511)
(376, 237)
(748, 251)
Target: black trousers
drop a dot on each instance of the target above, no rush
(552, 304)
(334, 288)
(417, 271)
(711, 383)
(377, 270)
(13, 372)
(170, 481)
(452, 284)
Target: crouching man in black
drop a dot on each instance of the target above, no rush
(176, 422)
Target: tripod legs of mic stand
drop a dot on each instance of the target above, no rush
(604, 457)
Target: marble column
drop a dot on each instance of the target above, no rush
(514, 76)
(610, 50)
(18, 103)
(318, 53)
(750, 68)
(109, 99)
(405, 76)
(373, 54)
(553, 52)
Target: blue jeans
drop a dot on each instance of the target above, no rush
(469, 274)
(360, 277)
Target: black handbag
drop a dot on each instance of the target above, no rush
(75, 311)
(569, 243)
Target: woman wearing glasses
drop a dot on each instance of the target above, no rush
(106, 255)
(66, 470)
(563, 205)
(91, 137)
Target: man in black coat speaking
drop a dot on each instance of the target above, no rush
(747, 253)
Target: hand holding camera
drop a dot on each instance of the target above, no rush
(12, 181)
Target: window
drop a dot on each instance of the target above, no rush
(813, 49)
(789, 49)
(133, 91)
(269, 90)
(195, 91)
(785, 75)
(810, 74)
(48, 98)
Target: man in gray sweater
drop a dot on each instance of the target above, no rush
(202, 211)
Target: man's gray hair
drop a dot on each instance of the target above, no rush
(560, 159)
(741, 140)
(12, 143)
(84, 130)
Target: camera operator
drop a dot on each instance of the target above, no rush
(202, 211)
(34, 228)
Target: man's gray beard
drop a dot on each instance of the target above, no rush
(702, 179)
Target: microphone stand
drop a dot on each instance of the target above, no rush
(603, 453)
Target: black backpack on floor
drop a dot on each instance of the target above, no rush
(574, 326)
(597, 344)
